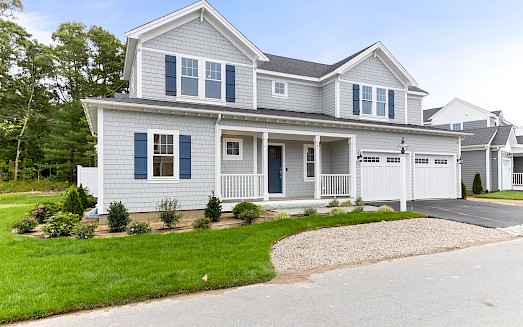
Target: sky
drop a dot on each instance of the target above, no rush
(472, 50)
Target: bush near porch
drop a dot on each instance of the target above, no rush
(40, 277)
(505, 195)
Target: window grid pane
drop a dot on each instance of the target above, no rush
(163, 158)
(381, 95)
(366, 93)
(190, 67)
(310, 162)
(279, 88)
(213, 71)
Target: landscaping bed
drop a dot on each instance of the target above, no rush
(504, 195)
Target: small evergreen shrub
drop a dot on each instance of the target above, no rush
(463, 190)
(249, 216)
(61, 224)
(333, 203)
(357, 209)
(168, 212)
(45, 210)
(202, 223)
(138, 228)
(117, 217)
(213, 211)
(359, 202)
(244, 206)
(25, 225)
(84, 231)
(281, 215)
(336, 211)
(476, 185)
(310, 211)
(72, 202)
(83, 196)
(346, 203)
(385, 209)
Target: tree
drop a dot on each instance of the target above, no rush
(9, 7)
(476, 185)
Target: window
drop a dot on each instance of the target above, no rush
(189, 77)
(393, 159)
(309, 161)
(456, 126)
(366, 98)
(163, 157)
(421, 161)
(440, 161)
(371, 159)
(213, 80)
(279, 89)
(381, 102)
(232, 149)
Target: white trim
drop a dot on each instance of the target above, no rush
(265, 165)
(305, 148)
(500, 170)
(374, 93)
(317, 167)
(139, 64)
(290, 76)
(150, 155)
(282, 131)
(459, 170)
(255, 155)
(487, 168)
(406, 104)
(337, 99)
(171, 53)
(283, 168)
(226, 156)
(217, 158)
(353, 169)
(100, 155)
(285, 94)
(460, 126)
(370, 84)
(254, 86)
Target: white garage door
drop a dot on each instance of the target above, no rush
(380, 177)
(434, 177)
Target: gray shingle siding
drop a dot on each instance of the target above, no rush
(473, 162)
(475, 124)
(197, 38)
(300, 97)
(494, 171)
(339, 157)
(153, 81)
(244, 166)
(328, 98)
(443, 126)
(414, 110)
(373, 71)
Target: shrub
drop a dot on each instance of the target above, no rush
(281, 215)
(463, 190)
(336, 211)
(83, 196)
(117, 217)
(244, 206)
(43, 184)
(45, 210)
(346, 203)
(310, 211)
(213, 211)
(61, 224)
(138, 228)
(357, 209)
(385, 209)
(359, 201)
(476, 185)
(91, 201)
(168, 212)
(72, 202)
(202, 223)
(333, 203)
(25, 225)
(249, 216)
(84, 231)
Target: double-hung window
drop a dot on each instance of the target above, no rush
(163, 156)
(213, 80)
(374, 101)
(189, 77)
(309, 162)
(366, 99)
(279, 89)
(457, 126)
(381, 102)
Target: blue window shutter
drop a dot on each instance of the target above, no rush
(230, 83)
(355, 99)
(170, 75)
(140, 155)
(185, 157)
(391, 104)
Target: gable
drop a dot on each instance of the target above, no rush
(372, 71)
(198, 38)
(458, 111)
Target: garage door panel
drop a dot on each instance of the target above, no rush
(380, 177)
(433, 177)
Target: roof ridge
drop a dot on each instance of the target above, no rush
(309, 61)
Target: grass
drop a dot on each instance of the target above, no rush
(505, 195)
(41, 277)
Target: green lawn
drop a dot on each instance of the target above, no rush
(40, 277)
(506, 195)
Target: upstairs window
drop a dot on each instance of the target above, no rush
(366, 99)
(381, 102)
(189, 77)
(213, 80)
(374, 101)
(456, 126)
(279, 89)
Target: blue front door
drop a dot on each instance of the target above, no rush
(275, 169)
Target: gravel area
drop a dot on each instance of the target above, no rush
(367, 243)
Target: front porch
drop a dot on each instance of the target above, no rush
(273, 165)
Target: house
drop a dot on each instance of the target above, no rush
(209, 111)
(492, 150)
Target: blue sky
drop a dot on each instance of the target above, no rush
(467, 49)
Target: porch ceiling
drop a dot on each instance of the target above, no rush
(282, 136)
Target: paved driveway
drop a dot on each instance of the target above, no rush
(470, 212)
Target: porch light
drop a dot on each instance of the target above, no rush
(460, 161)
(402, 146)
(360, 156)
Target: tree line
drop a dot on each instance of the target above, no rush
(43, 129)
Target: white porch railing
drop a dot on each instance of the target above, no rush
(335, 184)
(241, 186)
(517, 179)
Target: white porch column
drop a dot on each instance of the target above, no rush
(352, 165)
(403, 195)
(218, 162)
(255, 166)
(317, 168)
(265, 165)
(487, 166)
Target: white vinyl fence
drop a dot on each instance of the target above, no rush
(88, 177)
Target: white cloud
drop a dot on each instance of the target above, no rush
(38, 24)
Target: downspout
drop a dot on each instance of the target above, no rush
(487, 159)
(217, 157)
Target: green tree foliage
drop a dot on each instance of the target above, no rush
(72, 202)
(213, 210)
(476, 185)
(9, 7)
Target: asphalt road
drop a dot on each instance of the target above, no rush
(477, 213)
(479, 286)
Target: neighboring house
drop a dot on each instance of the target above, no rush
(207, 110)
(492, 150)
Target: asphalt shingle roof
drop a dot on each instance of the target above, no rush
(497, 112)
(427, 113)
(502, 135)
(482, 136)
